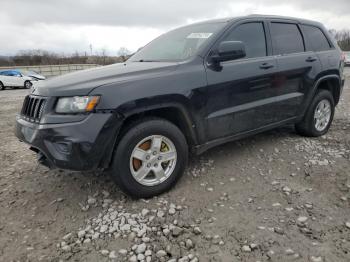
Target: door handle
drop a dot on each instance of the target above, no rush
(311, 59)
(266, 66)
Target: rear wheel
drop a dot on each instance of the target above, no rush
(27, 84)
(2, 87)
(319, 116)
(150, 158)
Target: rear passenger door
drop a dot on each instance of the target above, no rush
(316, 41)
(297, 67)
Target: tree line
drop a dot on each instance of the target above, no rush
(43, 57)
(343, 38)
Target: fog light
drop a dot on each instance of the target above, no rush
(64, 148)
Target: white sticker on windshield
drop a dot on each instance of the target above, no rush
(199, 35)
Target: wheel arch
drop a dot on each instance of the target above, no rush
(3, 86)
(175, 112)
(331, 83)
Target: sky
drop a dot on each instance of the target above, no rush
(66, 26)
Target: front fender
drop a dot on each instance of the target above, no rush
(159, 103)
(148, 106)
(156, 102)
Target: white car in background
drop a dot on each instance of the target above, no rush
(15, 79)
(347, 58)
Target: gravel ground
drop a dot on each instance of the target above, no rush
(272, 197)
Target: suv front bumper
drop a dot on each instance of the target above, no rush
(84, 145)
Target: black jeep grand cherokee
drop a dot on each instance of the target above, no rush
(192, 88)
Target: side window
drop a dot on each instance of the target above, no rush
(286, 39)
(253, 37)
(315, 38)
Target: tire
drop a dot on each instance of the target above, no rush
(27, 84)
(150, 131)
(2, 87)
(308, 126)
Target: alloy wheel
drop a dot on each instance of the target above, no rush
(153, 160)
(322, 115)
(28, 84)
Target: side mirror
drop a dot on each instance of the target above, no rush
(229, 50)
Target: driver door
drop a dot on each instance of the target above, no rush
(241, 94)
(17, 79)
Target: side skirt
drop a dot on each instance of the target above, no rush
(199, 149)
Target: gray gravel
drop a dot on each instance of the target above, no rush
(272, 197)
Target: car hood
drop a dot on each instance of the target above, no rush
(84, 81)
(37, 76)
(25, 78)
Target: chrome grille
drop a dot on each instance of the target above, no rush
(33, 107)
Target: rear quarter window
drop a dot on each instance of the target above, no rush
(4, 73)
(286, 38)
(315, 39)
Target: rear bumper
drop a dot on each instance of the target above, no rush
(84, 145)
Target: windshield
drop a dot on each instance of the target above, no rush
(29, 73)
(179, 44)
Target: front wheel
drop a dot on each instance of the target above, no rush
(150, 158)
(319, 116)
(27, 84)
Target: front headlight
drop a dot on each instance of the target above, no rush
(77, 104)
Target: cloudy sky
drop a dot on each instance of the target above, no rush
(73, 25)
